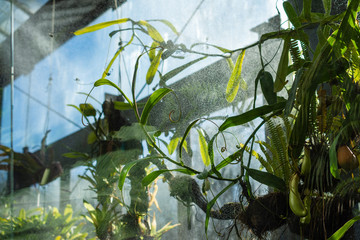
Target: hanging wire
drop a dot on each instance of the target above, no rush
(189, 20)
(51, 109)
(119, 14)
(27, 114)
(49, 90)
(49, 87)
(12, 78)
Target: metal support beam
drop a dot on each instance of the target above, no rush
(33, 37)
(23, 8)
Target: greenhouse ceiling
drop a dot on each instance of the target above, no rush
(35, 25)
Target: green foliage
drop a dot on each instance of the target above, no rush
(251, 115)
(309, 117)
(235, 79)
(340, 233)
(267, 179)
(34, 224)
(152, 101)
(203, 148)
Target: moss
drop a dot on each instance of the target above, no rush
(181, 187)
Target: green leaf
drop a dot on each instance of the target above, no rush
(22, 214)
(165, 229)
(333, 153)
(203, 148)
(133, 132)
(153, 67)
(87, 109)
(173, 145)
(88, 206)
(185, 135)
(291, 14)
(340, 233)
(100, 26)
(267, 87)
(153, 175)
(153, 33)
(212, 202)
(152, 50)
(307, 9)
(68, 212)
(292, 93)
(224, 50)
(211, 156)
(267, 179)
(106, 72)
(125, 171)
(234, 81)
(152, 101)
(76, 155)
(125, 106)
(282, 67)
(88, 95)
(230, 63)
(167, 23)
(327, 6)
(104, 81)
(176, 71)
(251, 115)
(349, 30)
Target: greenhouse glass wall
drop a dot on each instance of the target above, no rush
(164, 119)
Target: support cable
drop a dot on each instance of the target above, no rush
(177, 38)
(118, 15)
(27, 114)
(49, 88)
(51, 109)
(12, 78)
(189, 20)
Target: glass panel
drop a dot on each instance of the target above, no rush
(182, 120)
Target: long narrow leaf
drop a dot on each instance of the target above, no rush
(234, 81)
(267, 87)
(185, 135)
(251, 115)
(203, 148)
(327, 6)
(291, 14)
(125, 171)
(152, 101)
(125, 106)
(173, 145)
(267, 179)
(167, 23)
(333, 154)
(100, 26)
(307, 9)
(340, 233)
(211, 156)
(176, 71)
(152, 51)
(153, 33)
(153, 175)
(106, 72)
(103, 81)
(292, 93)
(282, 67)
(153, 67)
(224, 50)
